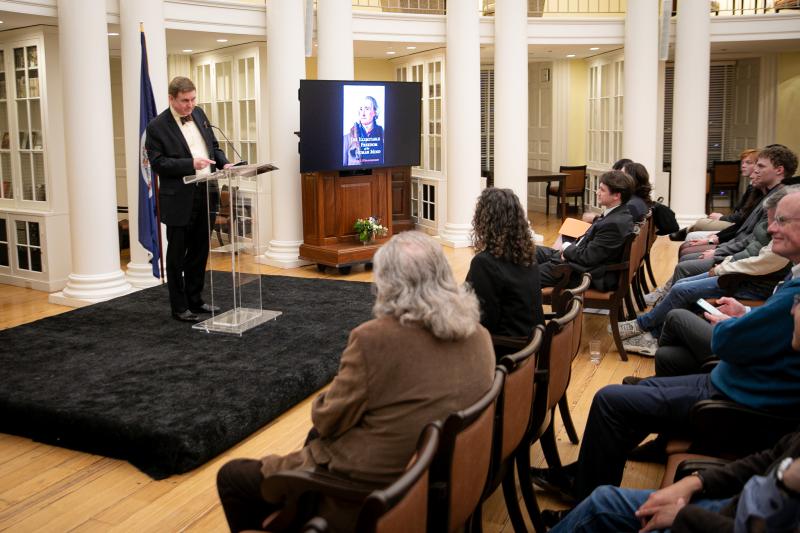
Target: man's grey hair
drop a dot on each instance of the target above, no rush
(772, 200)
(415, 285)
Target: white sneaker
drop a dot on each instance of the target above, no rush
(627, 329)
(652, 298)
(644, 344)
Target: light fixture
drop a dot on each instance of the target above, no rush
(222, 40)
(113, 34)
(411, 47)
(570, 55)
(187, 50)
(391, 53)
(593, 48)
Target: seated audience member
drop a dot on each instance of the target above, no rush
(774, 162)
(755, 370)
(619, 164)
(602, 245)
(715, 222)
(504, 273)
(758, 493)
(640, 335)
(640, 201)
(424, 355)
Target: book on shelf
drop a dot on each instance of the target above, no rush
(24, 140)
(33, 86)
(21, 88)
(5, 144)
(37, 140)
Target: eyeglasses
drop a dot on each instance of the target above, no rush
(781, 220)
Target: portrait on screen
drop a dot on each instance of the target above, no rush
(364, 124)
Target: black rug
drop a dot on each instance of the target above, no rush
(122, 379)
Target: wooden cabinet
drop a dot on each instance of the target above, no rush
(332, 201)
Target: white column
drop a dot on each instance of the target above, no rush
(463, 96)
(151, 14)
(83, 43)
(511, 97)
(690, 112)
(335, 36)
(640, 116)
(286, 64)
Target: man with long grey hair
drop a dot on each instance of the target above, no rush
(423, 356)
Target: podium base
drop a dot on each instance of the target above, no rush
(236, 321)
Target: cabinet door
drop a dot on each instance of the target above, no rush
(29, 141)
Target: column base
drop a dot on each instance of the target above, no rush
(456, 235)
(140, 275)
(283, 254)
(82, 290)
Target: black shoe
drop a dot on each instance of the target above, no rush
(555, 481)
(186, 316)
(551, 517)
(679, 235)
(204, 308)
(652, 451)
(632, 380)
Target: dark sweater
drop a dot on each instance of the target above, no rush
(729, 480)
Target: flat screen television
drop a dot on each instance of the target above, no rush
(358, 125)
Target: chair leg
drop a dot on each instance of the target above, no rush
(643, 278)
(566, 418)
(523, 460)
(548, 442)
(547, 202)
(475, 522)
(512, 503)
(613, 316)
(219, 237)
(650, 270)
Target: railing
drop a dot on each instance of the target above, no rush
(543, 8)
(751, 7)
(428, 7)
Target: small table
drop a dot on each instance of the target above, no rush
(536, 175)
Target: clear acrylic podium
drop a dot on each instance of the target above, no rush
(233, 230)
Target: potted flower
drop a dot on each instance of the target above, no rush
(368, 229)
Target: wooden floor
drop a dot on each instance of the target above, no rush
(44, 488)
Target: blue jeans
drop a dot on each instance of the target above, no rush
(621, 416)
(683, 294)
(611, 509)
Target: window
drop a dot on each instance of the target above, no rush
(721, 104)
(487, 119)
(429, 202)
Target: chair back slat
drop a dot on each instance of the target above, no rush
(403, 506)
(518, 394)
(575, 181)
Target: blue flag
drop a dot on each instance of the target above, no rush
(148, 221)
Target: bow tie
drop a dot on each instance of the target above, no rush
(187, 118)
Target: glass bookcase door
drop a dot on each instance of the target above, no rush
(30, 141)
(248, 134)
(6, 178)
(202, 80)
(223, 96)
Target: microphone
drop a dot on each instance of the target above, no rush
(233, 147)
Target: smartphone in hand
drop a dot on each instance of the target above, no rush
(705, 306)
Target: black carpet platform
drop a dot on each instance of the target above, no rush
(123, 379)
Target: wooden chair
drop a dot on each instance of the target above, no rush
(557, 339)
(616, 301)
(646, 265)
(724, 176)
(639, 285)
(577, 334)
(511, 421)
(460, 467)
(222, 220)
(552, 296)
(563, 348)
(574, 186)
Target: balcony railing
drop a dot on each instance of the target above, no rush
(428, 7)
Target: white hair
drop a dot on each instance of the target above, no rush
(414, 284)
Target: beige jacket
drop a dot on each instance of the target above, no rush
(392, 381)
(766, 262)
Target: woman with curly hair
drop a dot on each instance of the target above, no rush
(504, 273)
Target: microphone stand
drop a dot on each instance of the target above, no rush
(233, 147)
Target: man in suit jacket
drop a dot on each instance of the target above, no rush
(603, 243)
(180, 142)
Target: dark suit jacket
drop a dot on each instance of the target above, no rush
(171, 159)
(601, 246)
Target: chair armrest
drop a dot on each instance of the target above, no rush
(721, 426)
(689, 466)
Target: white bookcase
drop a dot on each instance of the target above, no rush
(34, 221)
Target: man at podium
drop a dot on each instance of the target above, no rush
(180, 142)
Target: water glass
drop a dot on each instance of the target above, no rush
(595, 351)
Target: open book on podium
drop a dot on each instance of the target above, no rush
(233, 231)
